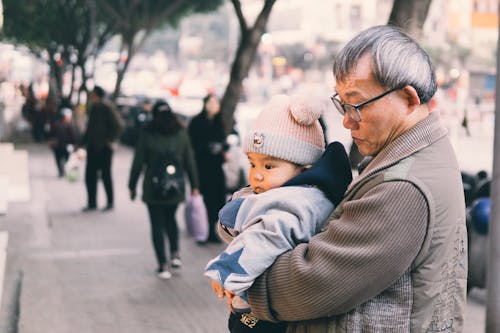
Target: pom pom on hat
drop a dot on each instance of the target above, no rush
(306, 109)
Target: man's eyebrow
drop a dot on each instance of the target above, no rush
(351, 93)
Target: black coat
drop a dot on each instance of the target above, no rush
(104, 126)
(209, 145)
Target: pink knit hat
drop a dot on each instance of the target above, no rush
(288, 128)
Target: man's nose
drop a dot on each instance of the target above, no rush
(348, 122)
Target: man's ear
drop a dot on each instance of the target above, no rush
(412, 99)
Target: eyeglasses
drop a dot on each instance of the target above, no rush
(354, 110)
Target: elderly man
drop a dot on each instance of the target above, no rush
(393, 256)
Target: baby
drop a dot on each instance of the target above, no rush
(287, 202)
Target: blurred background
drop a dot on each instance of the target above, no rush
(65, 271)
(180, 53)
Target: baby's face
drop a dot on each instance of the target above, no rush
(267, 172)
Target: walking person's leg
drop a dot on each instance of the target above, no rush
(172, 231)
(214, 202)
(107, 156)
(91, 181)
(58, 157)
(64, 158)
(157, 218)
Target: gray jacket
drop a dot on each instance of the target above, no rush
(393, 256)
(264, 226)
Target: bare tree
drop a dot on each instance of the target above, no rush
(245, 55)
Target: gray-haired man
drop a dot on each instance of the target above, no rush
(393, 257)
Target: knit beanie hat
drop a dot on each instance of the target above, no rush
(288, 128)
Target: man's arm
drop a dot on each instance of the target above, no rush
(354, 259)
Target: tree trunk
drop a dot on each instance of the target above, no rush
(131, 51)
(410, 15)
(120, 74)
(245, 55)
(72, 88)
(55, 85)
(239, 71)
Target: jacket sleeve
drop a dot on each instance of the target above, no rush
(354, 259)
(270, 228)
(138, 162)
(190, 162)
(115, 122)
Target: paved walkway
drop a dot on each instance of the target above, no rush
(74, 272)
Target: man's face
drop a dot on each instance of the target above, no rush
(382, 120)
(93, 97)
(267, 172)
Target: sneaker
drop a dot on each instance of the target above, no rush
(165, 275)
(176, 262)
(88, 209)
(108, 208)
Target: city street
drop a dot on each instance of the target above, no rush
(69, 271)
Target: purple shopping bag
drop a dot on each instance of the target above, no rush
(196, 218)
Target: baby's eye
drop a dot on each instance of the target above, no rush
(252, 165)
(268, 166)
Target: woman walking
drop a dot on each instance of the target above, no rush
(206, 131)
(164, 149)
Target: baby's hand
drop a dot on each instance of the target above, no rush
(230, 297)
(218, 289)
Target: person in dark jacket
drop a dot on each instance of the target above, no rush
(62, 139)
(32, 111)
(163, 136)
(103, 128)
(206, 131)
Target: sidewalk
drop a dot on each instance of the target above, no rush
(94, 272)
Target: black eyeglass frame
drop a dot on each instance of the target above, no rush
(354, 110)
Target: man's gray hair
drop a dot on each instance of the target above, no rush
(397, 60)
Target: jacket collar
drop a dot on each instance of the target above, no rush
(331, 173)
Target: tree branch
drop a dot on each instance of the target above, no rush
(166, 12)
(112, 12)
(239, 15)
(261, 21)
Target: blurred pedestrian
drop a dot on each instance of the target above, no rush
(103, 128)
(163, 147)
(393, 255)
(62, 139)
(206, 131)
(32, 111)
(52, 114)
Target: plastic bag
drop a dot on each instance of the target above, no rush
(196, 218)
(74, 165)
